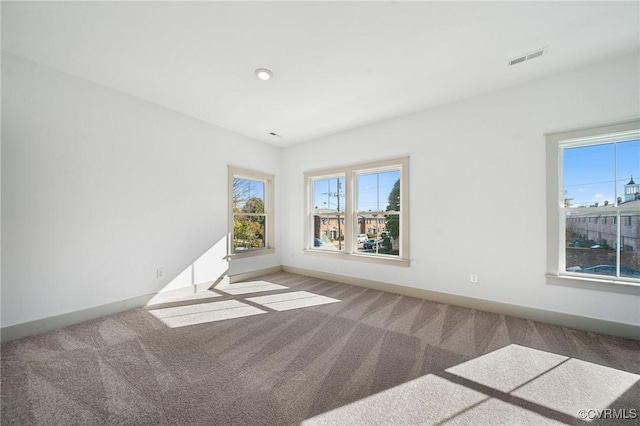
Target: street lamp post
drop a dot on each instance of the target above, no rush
(328, 203)
(375, 215)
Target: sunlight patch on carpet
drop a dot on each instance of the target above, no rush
(250, 287)
(426, 400)
(555, 385)
(578, 385)
(182, 316)
(566, 385)
(508, 368)
(292, 300)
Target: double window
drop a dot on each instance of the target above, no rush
(591, 176)
(251, 215)
(359, 212)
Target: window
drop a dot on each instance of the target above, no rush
(356, 201)
(251, 215)
(328, 213)
(590, 173)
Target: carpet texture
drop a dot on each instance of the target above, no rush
(288, 349)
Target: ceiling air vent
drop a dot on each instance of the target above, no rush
(517, 60)
(527, 56)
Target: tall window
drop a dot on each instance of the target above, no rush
(378, 199)
(359, 211)
(251, 215)
(590, 176)
(328, 212)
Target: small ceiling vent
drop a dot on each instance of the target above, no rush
(527, 56)
(517, 60)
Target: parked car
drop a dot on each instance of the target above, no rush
(361, 238)
(369, 244)
(606, 270)
(317, 242)
(372, 243)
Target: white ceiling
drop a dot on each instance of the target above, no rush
(336, 65)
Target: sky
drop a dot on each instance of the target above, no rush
(244, 189)
(590, 171)
(589, 177)
(373, 191)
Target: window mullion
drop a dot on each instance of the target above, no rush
(615, 201)
(619, 239)
(562, 243)
(349, 236)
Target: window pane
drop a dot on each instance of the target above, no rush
(371, 224)
(589, 177)
(629, 244)
(591, 232)
(379, 191)
(248, 196)
(329, 195)
(628, 169)
(328, 213)
(591, 244)
(248, 232)
(328, 231)
(378, 238)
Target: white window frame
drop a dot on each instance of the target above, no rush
(351, 221)
(556, 210)
(268, 180)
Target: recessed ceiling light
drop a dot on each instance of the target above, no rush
(264, 74)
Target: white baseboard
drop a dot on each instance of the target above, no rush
(254, 274)
(613, 328)
(558, 318)
(43, 325)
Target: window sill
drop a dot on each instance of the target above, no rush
(591, 283)
(384, 260)
(251, 253)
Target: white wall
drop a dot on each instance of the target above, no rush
(99, 189)
(477, 188)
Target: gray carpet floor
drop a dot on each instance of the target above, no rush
(290, 349)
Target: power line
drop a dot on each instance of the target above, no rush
(598, 183)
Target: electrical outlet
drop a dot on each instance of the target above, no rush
(473, 278)
(159, 272)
